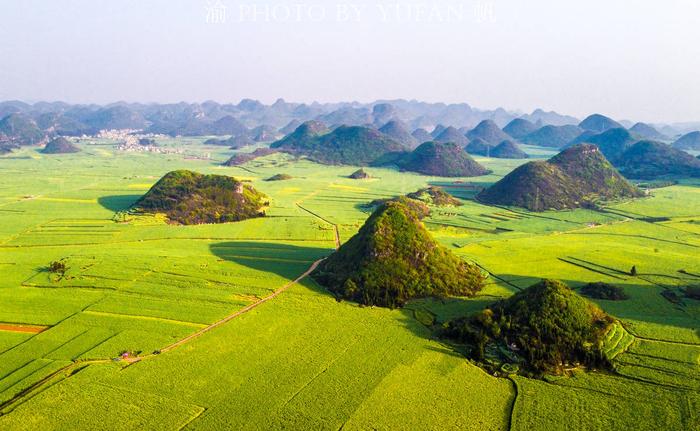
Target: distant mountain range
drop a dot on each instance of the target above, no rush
(407, 123)
(212, 118)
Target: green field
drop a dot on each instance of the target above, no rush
(294, 357)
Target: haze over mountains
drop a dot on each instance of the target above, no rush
(382, 132)
(212, 118)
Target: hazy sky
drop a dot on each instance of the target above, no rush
(637, 60)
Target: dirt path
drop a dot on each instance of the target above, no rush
(70, 369)
(239, 312)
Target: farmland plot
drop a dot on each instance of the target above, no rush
(135, 285)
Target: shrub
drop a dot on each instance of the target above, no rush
(435, 196)
(606, 291)
(58, 267)
(279, 177)
(693, 292)
(672, 297)
(359, 174)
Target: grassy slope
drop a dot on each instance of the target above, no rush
(304, 360)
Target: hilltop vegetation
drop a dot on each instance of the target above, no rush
(689, 141)
(116, 117)
(393, 259)
(187, 197)
(441, 159)
(599, 123)
(537, 186)
(346, 145)
(649, 160)
(419, 200)
(302, 135)
(575, 177)
(60, 124)
(489, 132)
(264, 133)
(398, 131)
(359, 174)
(450, 134)
(421, 135)
(234, 142)
(645, 131)
(241, 158)
(508, 150)
(552, 136)
(641, 159)
(437, 130)
(612, 143)
(436, 196)
(60, 145)
(290, 127)
(479, 147)
(20, 130)
(280, 177)
(545, 328)
(582, 138)
(519, 128)
(196, 126)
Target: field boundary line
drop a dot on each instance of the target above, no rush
(144, 317)
(193, 418)
(657, 340)
(582, 266)
(131, 241)
(662, 370)
(29, 392)
(515, 400)
(644, 355)
(335, 226)
(325, 369)
(239, 312)
(650, 238)
(645, 219)
(652, 383)
(497, 277)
